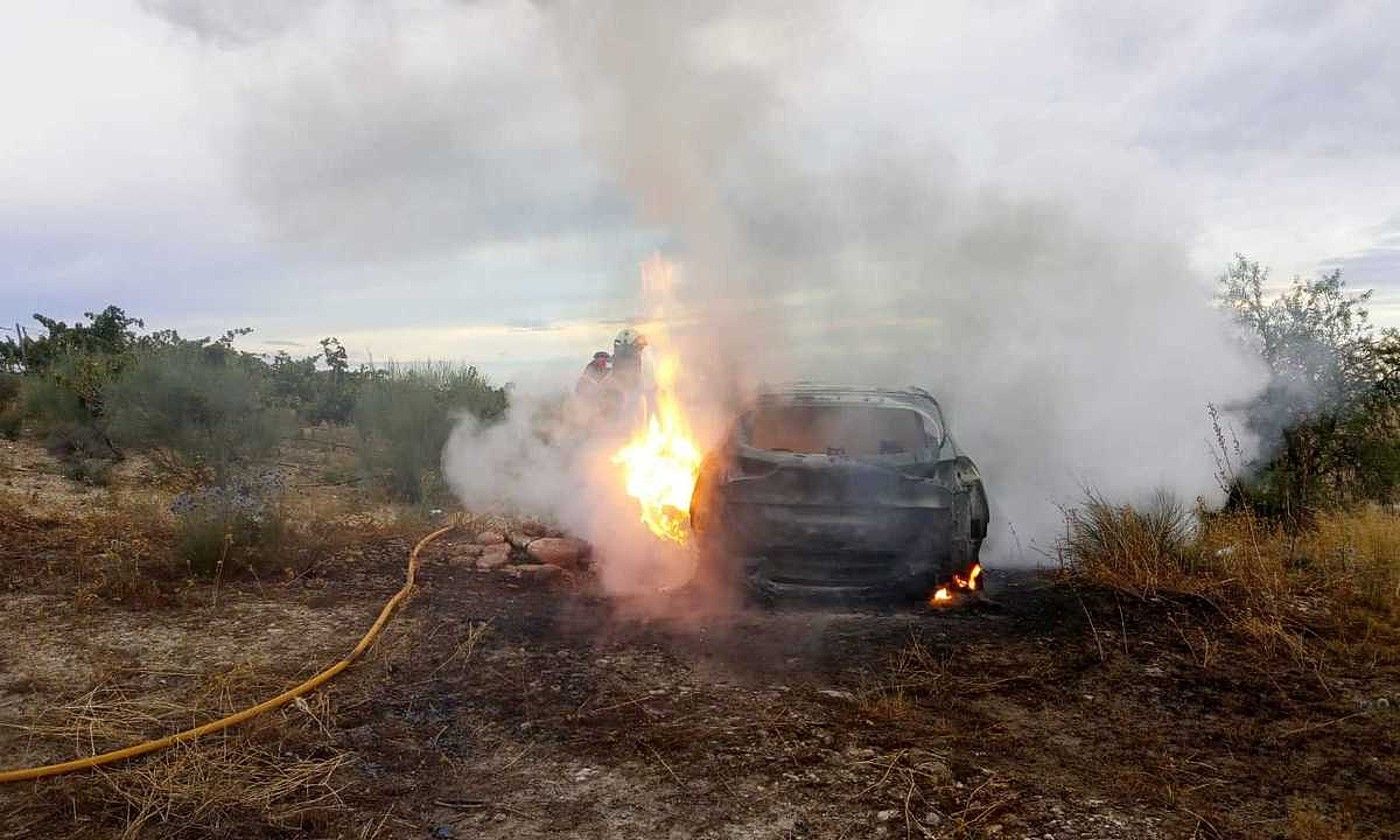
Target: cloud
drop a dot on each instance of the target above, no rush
(312, 166)
(425, 127)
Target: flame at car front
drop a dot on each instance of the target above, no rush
(661, 462)
(943, 595)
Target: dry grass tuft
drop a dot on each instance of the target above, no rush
(1338, 583)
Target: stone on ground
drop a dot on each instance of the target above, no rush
(467, 552)
(494, 557)
(490, 538)
(564, 552)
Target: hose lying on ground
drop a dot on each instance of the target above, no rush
(249, 713)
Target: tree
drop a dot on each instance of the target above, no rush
(1333, 391)
(108, 332)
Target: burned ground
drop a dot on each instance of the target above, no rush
(498, 706)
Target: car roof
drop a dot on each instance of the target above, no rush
(799, 392)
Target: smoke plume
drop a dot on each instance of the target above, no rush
(833, 225)
(952, 197)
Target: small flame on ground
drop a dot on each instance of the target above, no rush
(662, 462)
(943, 595)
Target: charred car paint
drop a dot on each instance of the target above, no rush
(840, 491)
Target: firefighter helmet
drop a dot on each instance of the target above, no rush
(631, 339)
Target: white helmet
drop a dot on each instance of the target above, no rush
(630, 338)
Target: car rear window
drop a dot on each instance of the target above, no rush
(854, 430)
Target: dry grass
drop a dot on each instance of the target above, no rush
(914, 674)
(1337, 584)
(279, 773)
(125, 553)
(119, 553)
(1306, 824)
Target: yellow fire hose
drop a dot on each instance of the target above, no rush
(249, 713)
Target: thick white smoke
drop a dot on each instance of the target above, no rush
(836, 225)
(956, 197)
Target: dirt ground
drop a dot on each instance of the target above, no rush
(500, 706)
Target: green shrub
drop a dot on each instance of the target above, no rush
(9, 388)
(59, 405)
(11, 411)
(206, 410)
(405, 414)
(69, 391)
(402, 428)
(11, 422)
(317, 396)
(461, 388)
(1330, 414)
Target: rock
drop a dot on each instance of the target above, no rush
(470, 551)
(518, 540)
(537, 571)
(885, 815)
(490, 538)
(837, 694)
(564, 552)
(534, 529)
(444, 832)
(494, 557)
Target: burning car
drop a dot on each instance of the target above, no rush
(840, 491)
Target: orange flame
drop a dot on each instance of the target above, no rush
(662, 461)
(944, 594)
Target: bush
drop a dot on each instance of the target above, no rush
(239, 522)
(11, 412)
(402, 431)
(9, 389)
(205, 410)
(11, 422)
(404, 416)
(317, 396)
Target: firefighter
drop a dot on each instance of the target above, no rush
(627, 359)
(595, 373)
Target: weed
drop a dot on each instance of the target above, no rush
(1141, 551)
(238, 522)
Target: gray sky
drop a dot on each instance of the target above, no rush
(429, 179)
